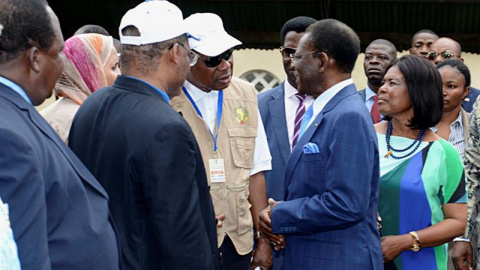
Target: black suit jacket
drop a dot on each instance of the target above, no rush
(58, 211)
(146, 157)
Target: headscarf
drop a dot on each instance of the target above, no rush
(85, 57)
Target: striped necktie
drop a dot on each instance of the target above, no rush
(298, 118)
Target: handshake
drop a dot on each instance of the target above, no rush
(265, 226)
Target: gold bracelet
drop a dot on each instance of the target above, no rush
(416, 242)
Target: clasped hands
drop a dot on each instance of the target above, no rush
(265, 224)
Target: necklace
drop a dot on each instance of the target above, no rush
(415, 144)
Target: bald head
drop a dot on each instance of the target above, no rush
(390, 48)
(445, 48)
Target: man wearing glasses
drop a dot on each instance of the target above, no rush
(447, 48)
(144, 153)
(328, 215)
(223, 114)
(282, 109)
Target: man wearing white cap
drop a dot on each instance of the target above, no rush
(223, 114)
(144, 153)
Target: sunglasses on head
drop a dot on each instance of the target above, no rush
(445, 54)
(286, 52)
(213, 61)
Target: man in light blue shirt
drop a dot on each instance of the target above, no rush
(379, 54)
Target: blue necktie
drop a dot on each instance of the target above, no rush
(306, 119)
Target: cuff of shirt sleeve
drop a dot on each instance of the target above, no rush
(261, 167)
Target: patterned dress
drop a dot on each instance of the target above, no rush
(412, 193)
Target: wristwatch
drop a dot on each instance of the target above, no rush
(416, 242)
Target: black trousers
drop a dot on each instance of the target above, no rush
(230, 259)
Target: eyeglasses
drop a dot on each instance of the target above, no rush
(445, 54)
(192, 56)
(213, 61)
(286, 52)
(295, 57)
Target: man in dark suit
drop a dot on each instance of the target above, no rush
(278, 108)
(447, 48)
(58, 211)
(144, 153)
(379, 54)
(329, 212)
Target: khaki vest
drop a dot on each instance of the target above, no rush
(236, 144)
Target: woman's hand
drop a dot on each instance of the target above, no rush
(393, 245)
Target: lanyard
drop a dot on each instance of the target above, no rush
(219, 115)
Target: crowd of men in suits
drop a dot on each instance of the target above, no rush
(171, 167)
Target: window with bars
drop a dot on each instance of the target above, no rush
(262, 79)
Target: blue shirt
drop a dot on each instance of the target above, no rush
(369, 94)
(165, 96)
(15, 87)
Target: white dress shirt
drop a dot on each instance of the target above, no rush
(325, 97)
(291, 105)
(207, 103)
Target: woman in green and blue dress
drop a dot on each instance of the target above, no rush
(422, 195)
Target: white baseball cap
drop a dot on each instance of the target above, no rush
(156, 21)
(212, 37)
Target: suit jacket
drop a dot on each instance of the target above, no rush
(146, 157)
(363, 94)
(271, 105)
(58, 211)
(467, 103)
(272, 110)
(331, 197)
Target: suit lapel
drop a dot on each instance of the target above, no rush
(43, 126)
(279, 122)
(306, 137)
(298, 150)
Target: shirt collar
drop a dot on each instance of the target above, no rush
(290, 91)
(326, 96)
(196, 93)
(369, 93)
(458, 121)
(162, 93)
(15, 87)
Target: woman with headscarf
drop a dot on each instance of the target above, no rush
(90, 63)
